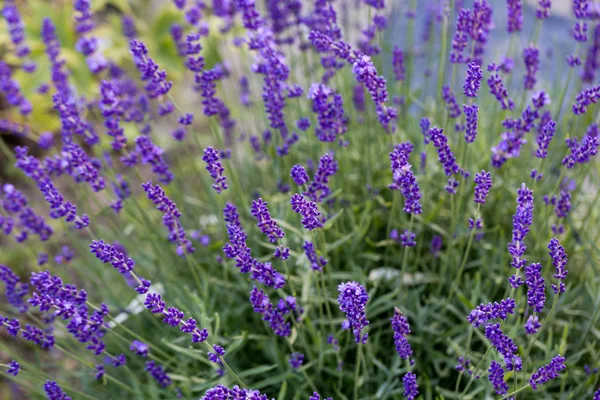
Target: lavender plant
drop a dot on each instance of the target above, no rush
(289, 193)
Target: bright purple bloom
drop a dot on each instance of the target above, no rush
(532, 325)
(267, 225)
(401, 331)
(486, 312)
(311, 216)
(272, 315)
(411, 389)
(544, 139)
(515, 16)
(536, 292)
(473, 80)
(483, 184)
(547, 372)
(445, 154)
(215, 168)
(522, 220)
(352, 299)
(559, 260)
(471, 118)
(498, 89)
(156, 80)
(531, 57)
(54, 392)
(329, 107)
(317, 263)
(496, 377)
(159, 374)
(543, 9)
(299, 175)
(505, 346)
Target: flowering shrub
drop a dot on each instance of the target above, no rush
(242, 200)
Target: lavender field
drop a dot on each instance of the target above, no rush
(300, 199)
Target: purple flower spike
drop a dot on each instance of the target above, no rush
(398, 64)
(299, 175)
(352, 299)
(483, 184)
(505, 346)
(215, 168)
(171, 215)
(411, 389)
(515, 16)
(547, 372)
(473, 80)
(156, 80)
(450, 100)
(559, 260)
(536, 292)
(267, 225)
(531, 57)
(54, 392)
(496, 377)
(404, 180)
(401, 331)
(311, 216)
(522, 220)
(445, 154)
(471, 117)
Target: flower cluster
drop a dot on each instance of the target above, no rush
(352, 299)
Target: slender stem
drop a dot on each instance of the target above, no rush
(357, 369)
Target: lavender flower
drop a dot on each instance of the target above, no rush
(505, 346)
(486, 312)
(274, 316)
(159, 374)
(317, 263)
(407, 239)
(483, 184)
(473, 80)
(296, 360)
(311, 216)
(404, 180)
(353, 299)
(329, 107)
(156, 80)
(543, 9)
(532, 325)
(13, 368)
(267, 225)
(299, 175)
(536, 292)
(498, 89)
(515, 16)
(559, 260)
(398, 64)
(54, 392)
(401, 331)
(531, 57)
(411, 389)
(522, 220)
(215, 168)
(445, 154)
(450, 100)
(496, 377)
(170, 218)
(471, 112)
(547, 372)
